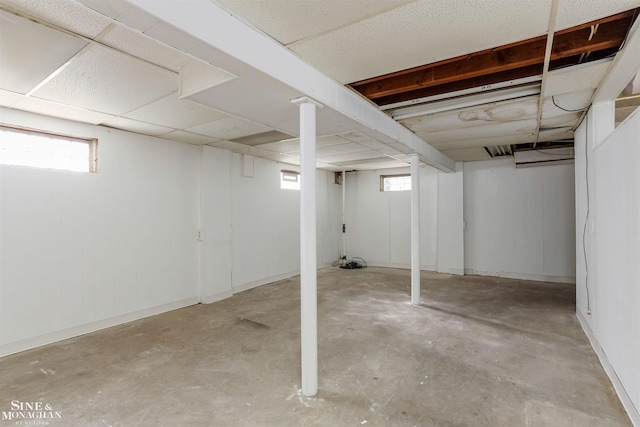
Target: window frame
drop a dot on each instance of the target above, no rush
(397, 175)
(291, 173)
(91, 142)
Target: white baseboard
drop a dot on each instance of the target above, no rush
(627, 403)
(208, 299)
(63, 334)
(398, 265)
(246, 286)
(521, 276)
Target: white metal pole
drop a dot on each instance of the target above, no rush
(415, 229)
(308, 262)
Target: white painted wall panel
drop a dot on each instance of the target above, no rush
(215, 223)
(379, 223)
(451, 221)
(611, 274)
(80, 249)
(519, 222)
(266, 223)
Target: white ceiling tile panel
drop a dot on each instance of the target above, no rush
(347, 157)
(241, 148)
(504, 111)
(138, 19)
(136, 126)
(111, 8)
(103, 79)
(288, 21)
(7, 97)
(174, 112)
(229, 128)
(422, 32)
(566, 103)
(189, 138)
(173, 36)
(520, 127)
(486, 141)
(63, 13)
(338, 149)
(575, 78)
(576, 12)
(283, 147)
(468, 154)
(143, 47)
(35, 51)
(355, 136)
(54, 109)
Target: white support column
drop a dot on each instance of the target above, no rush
(308, 261)
(415, 229)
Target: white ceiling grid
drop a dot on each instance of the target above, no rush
(111, 63)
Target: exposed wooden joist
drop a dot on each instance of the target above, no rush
(497, 64)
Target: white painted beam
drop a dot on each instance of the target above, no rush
(624, 66)
(209, 23)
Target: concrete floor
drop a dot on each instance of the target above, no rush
(480, 351)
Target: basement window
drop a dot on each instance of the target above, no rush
(290, 180)
(400, 182)
(38, 149)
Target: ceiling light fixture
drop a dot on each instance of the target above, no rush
(465, 101)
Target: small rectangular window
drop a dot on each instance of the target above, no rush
(27, 147)
(290, 180)
(401, 182)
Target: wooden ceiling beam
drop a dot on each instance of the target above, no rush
(610, 33)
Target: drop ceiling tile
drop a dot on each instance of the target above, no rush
(63, 13)
(481, 115)
(558, 105)
(136, 126)
(285, 158)
(576, 12)
(111, 8)
(349, 147)
(286, 146)
(241, 148)
(7, 97)
(355, 136)
(39, 51)
(521, 127)
(423, 31)
(189, 138)
(137, 18)
(288, 21)
(468, 154)
(229, 128)
(350, 157)
(575, 79)
(103, 79)
(143, 47)
(173, 36)
(175, 113)
(54, 109)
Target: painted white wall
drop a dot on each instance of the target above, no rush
(451, 221)
(520, 223)
(379, 223)
(608, 271)
(266, 223)
(82, 251)
(215, 224)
